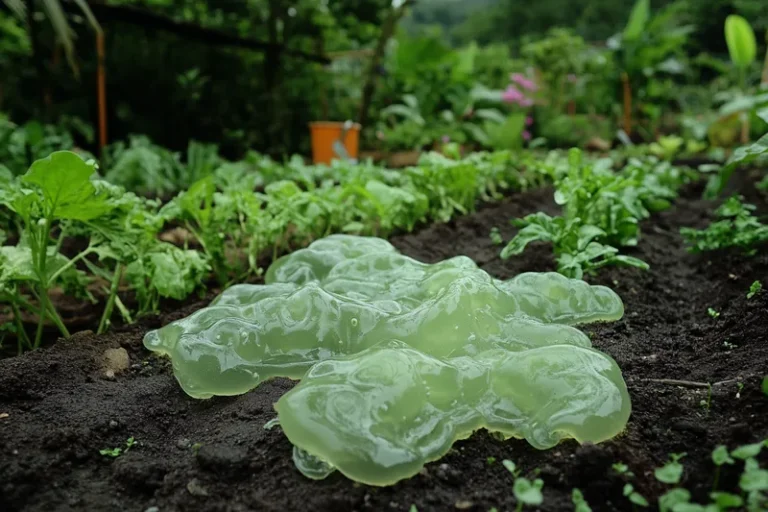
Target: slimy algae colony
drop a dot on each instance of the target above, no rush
(398, 359)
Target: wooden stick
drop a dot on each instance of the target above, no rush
(693, 384)
(102, 91)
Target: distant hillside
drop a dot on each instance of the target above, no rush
(449, 14)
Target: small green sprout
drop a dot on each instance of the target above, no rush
(579, 503)
(491, 460)
(672, 471)
(726, 500)
(413, 509)
(634, 496)
(753, 479)
(740, 387)
(754, 289)
(720, 457)
(116, 452)
(495, 235)
(622, 469)
(765, 385)
(730, 346)
(713, 312)
(748, 451)
(672, 499)
(526, 492)
(111, 452)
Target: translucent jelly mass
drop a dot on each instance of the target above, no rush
(399, 359)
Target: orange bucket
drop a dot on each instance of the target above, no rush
(325, 134)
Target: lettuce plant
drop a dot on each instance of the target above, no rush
(736, 227)
(602, 210)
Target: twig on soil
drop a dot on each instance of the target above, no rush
(695, 385)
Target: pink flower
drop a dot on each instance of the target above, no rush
(446, 139)
(528, 121)
(526, 135)
(512, 95)
(522, 81)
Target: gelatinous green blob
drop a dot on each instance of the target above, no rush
(378, 416)
(400, 358)
(340, 298)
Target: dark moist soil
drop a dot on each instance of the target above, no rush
(58, 408)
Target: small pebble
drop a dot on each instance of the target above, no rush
(112, 424)
(195, 489)
(183, 443)
(152, 509)
(463, 504)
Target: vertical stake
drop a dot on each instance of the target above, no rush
(102, 91)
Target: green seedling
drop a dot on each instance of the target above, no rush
(765, 385)
(602, 212)
(495, 235)
(116, 452)
(720, 457)
(634, 497)
(674, 499)
(526, 492)
(737, 227)
(579, 503)
(672, 471)
(622, 469)
(491, 460)
(740, 387)
(712, 312)
(754, 289)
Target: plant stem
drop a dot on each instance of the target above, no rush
(69, 265)
(123, 310)
(627, 103)
(54, 316)
(104, 322)
(21, 334)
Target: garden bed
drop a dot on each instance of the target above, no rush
(59, 406)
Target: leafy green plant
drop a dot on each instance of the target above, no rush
(495, 236)
(737, 227)
(54, 189)
(713, 312)
(755, 288)
(118, 451)
(753, 483)
(720, 457)
(672, 471)
(633, 496)
(527, 492)
(579, 503)
(601, 210)
(742, 45)
(648, 47)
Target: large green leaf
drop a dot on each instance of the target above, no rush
(740, 38)
(64, 180)
(638, 18)
(742, 156)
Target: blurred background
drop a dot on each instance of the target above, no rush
(252, 74)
